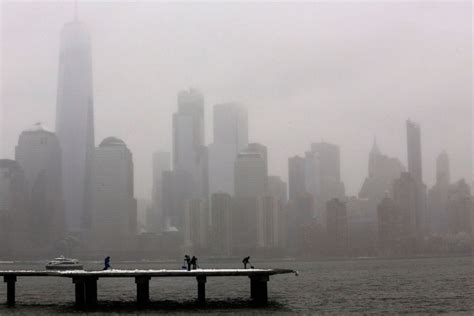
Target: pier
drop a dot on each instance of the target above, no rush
(85, 282)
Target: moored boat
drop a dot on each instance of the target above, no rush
(62, 263)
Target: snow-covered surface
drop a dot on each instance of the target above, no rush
(121, 271)
(151, 272)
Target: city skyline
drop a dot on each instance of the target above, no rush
(315, 128)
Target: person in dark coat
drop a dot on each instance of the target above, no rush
(246, 261)
(194, 262)
(187, 260)
(107, 263)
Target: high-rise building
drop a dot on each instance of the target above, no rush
(221, 223)
(277, 187)
(250, 181)
(75, 122)
(389, 230)
(324, 176)
(460, 208)
(39, 154)
(383, 170)
(438, 196)
(268, 221)
(414, 151)
(196, 225)
(337, 228)
(300, 213)
(250, 174)
(14, 208)
(416, 171)
(161, 163)
(230, 137)
(405, 197)
(188, 131)
(231, 125)
(190, 156)
(262, 150)
(443, 174)
(329, 156)
(296, 177)
(114, 217)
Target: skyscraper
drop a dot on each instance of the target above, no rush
(268, 221)
(230, 136)
(75, 122)
(190, 156)
(39, 154)
(405, 196)
(382, 171)
(324, 162)
(161, 163)
(443, 174)
(114, 216)
(231, 125)
(196, 221)
(296, 177)
(438, 196)
(250, 177)
(414, 151)
(416, 171)
(221, 223)
(14, 208)
(188, 131)
(250, 181)
(388, 227)
(337, 227)
(277, 187)
(460, 208)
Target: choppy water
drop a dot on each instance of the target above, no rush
(422, 285)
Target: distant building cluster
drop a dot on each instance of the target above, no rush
(64, 195)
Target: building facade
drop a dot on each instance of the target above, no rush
(39, 154)
(114, 216)
(75, 122)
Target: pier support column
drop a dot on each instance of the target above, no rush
(258, 289)
(80, 291)
(91, 291)
(10, 280)
(201, 280)
(143, 290)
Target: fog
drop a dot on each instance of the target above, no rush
(340, 72)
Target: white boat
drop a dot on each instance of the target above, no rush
(62, 263)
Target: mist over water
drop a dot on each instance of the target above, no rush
(332, 138)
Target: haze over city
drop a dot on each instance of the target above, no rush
(323, 146)
(339, 72)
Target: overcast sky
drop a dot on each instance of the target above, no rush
(339, 72)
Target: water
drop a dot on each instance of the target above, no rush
(421, 285)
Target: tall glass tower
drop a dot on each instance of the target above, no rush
(75, 122)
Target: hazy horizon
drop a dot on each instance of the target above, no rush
(339, 72)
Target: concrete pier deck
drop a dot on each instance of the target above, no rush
(85, 281)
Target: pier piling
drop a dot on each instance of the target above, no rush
(201, 281)
(143, 290)
(259, 289)
(10, 281)
(79, 291)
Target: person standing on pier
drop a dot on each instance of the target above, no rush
(187, 260)
(107, 263)
(194, 262)
(246, 261)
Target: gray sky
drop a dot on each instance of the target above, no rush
(338, 72)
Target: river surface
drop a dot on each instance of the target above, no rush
(420, 285)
